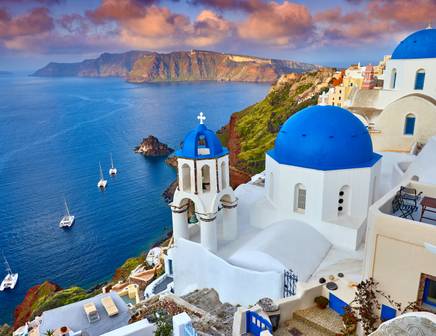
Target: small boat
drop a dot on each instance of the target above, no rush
(112, 171)
(68, 219)
(102, 183)
(10, 279)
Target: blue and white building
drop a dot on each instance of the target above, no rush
(403, 113)
(306, 211)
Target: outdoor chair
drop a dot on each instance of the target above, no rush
(406, 201)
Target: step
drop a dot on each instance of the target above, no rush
(298, 328)
(326, 320)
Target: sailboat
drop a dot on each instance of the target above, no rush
(67, 220)
(112, 171)
(10, 279)
(102, 182)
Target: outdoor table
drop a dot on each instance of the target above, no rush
(428, 204)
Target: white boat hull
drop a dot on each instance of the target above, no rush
(9, 281)
(113, 171)
(102, 184)
(66, 221)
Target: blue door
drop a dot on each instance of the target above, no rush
(256, 323)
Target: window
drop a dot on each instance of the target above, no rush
(393, 78)
(223, 175)
(202, 148)
(429, 296)
(186, 178)
(300, 198)
(409, 125)
(205, 178)
(419, 79)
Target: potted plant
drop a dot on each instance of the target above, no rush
(321, 302)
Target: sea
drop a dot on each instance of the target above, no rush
(54, 132)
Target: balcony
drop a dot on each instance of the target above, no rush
(413, 201)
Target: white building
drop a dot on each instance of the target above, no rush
(309, 207)
(403, 113)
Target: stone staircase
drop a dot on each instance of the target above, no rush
(313, 322)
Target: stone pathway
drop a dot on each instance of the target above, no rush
(312, 322)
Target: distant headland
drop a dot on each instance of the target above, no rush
(195, 65)
(5, 73)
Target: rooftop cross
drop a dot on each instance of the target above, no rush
(201, 117)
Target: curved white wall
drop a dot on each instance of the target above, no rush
(210, 271)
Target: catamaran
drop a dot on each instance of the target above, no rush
(102, 182)
(68, 219)
(112, 171)
(10, 279)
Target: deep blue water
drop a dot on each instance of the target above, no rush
(53, 133)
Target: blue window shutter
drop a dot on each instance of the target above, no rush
(419, 81)
(409, 128)
(387, 313)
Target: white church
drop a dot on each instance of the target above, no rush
(403, 113)
(307, 213)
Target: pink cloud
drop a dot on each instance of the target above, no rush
(36, 21)
(278, 24)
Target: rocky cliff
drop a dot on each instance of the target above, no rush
(251, 132)
(34, 297)
(151, 146)
(195, 65)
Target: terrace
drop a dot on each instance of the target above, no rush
(413, 201)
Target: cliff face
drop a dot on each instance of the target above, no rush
(106, 65)
(252, 132)
(33, 298)
(143, 66)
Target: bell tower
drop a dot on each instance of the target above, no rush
(204, 180)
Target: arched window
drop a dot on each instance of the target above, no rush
(186, 178)
(393, 78)
(223, 175)
(420, 79)
(409, 125)
(300, 198)
(343, 201)
(271, 186)
(205, 178)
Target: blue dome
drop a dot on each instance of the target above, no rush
(421, 44)
(324, 138)
(201, 143)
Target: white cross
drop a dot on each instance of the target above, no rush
(201, 117)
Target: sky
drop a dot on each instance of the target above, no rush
(332, 33)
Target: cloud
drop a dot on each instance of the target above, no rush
(119, 10)
(35, 22)
(377, 21)
(286, 24)
(245, 5)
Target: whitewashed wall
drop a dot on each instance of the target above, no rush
(209, 271)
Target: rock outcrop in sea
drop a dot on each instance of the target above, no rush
(194, 65)
(151, 146)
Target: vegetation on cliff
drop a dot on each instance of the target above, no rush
(34, 298)
(123, 272)
(195, 65)
(252, 131)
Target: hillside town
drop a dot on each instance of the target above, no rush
(336, 236)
